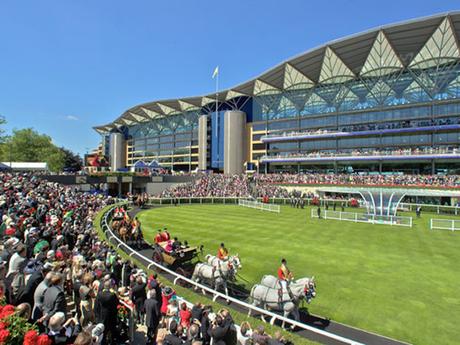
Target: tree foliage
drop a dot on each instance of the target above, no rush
(27, 145)
(72, 161)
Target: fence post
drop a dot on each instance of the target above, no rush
(437, 209)
(453, 225)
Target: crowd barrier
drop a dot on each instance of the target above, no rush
(259, 205)
(444, 224)
(111, 237)
(363, 217)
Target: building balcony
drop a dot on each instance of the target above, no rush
(388, 155)
(325, 134)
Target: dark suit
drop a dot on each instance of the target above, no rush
(152, 318)
(27, 294)
(106, 311)
(224, 334)
(172, 339)
(138, 296)
(54, 301)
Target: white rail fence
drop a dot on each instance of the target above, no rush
(444, 224)
(439, 209)
(216, 294)
(363, 218)
(259, 205)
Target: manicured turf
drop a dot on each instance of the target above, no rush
(395, 281)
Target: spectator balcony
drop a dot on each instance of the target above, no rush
(328, 134)
(390, 155)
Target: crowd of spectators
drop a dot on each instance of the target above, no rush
(361, 179)
(260, 185)
(59, 284)
(211, 185)
(55, 273)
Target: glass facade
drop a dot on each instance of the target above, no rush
(401, 100)
(390, 96)
(172, 141)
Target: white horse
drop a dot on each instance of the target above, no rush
(216, 276)
(269, 299)
(309, 283)
(215, 261)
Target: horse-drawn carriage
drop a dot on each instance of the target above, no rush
(179, 260)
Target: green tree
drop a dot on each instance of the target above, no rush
(72, 161)
(2, 131)
(27, 145)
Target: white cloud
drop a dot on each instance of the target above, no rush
(71, 118)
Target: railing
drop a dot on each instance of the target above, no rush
(351, 132)
(404, 206)
(363, 218)
(234, 201)
(430, 208)
(216, 294)
(259, 205)
(358, 155)
(444, 224)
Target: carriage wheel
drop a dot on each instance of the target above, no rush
(184, 273)
(158, 258)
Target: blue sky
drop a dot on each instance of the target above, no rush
(66, 66)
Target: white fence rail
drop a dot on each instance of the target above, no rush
(216, 294)
(444, 224)
(439, 209)
(363, 217)
(259, 205)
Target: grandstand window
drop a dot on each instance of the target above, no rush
(283, 125)
(167, 146)
(318, 122)
(283, 146)
(318, 144)
(446, 109)
(258, 147)
(183, 136)
(358, 142)
(152, 140)
(167, 138)
(259, 127)
(153, 147)
(446, 138)
(257, 137)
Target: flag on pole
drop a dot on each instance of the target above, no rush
(216, 72)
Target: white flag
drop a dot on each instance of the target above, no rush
(216, 72)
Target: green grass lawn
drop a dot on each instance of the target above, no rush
(396, 281)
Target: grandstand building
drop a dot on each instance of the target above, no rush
(387, 100)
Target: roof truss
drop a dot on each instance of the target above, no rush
(441, 47)
(333, 69)
(382, 58)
